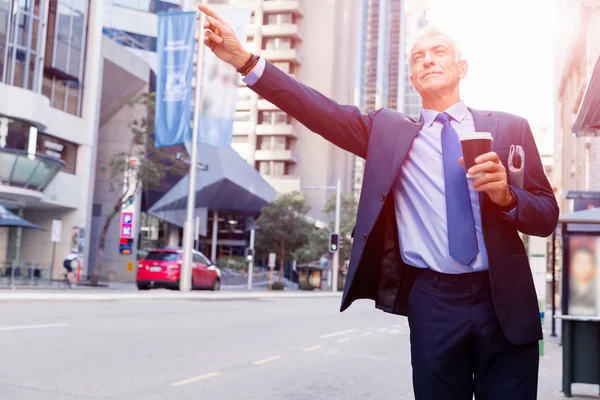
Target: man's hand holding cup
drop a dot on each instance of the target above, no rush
(484, 167)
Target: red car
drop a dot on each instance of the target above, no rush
(162, 268)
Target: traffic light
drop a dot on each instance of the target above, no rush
(334, 242)
(249, 254)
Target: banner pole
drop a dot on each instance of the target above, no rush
(185, 280)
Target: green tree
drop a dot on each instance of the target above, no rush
(348, 210)
(126, 177)
(315, 246)
(283, 227)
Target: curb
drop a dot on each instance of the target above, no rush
(74, 296)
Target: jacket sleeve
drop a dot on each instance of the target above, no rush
(537, 209)
(345, 126)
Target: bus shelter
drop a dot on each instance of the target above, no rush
(580, 298)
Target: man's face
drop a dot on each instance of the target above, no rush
(435, 67)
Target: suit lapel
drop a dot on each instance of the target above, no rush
(485, 123)
(404, 138)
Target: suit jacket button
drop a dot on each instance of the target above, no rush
(364, 236)
(382, 196)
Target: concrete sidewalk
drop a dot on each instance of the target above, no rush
(115, 295)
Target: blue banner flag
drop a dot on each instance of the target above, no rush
(220, 85)
(175, 48)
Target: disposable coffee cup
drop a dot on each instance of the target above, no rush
(473, 145)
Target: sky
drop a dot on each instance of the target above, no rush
(509, 47)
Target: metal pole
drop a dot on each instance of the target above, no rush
(13, 264)
(553, 322)
(251, 263)
(52, 262)
(336, 255)
(215, 236)
(188, 226)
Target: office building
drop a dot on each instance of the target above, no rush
(48, 114)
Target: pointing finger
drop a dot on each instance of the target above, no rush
(210, 13)
(217, 24)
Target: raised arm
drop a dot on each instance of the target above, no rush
(345, 126)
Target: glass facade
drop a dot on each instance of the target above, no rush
(65, 54)
(20, 42)
(153, 6)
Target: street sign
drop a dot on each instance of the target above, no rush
(125, 246)
(272, 258)
(127, 225)
(130, 265)
(56, 231)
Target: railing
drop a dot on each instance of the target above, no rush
(22, 274)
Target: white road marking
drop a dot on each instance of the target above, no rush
(398, 326)
(394, 331)
(309, 349)
(344, 340)
(330, 335)
(196, 379)
(366, 334)
(267, 360)
(25, 327)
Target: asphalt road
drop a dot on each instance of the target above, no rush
(293, 349)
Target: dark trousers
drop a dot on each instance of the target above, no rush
(457, 345)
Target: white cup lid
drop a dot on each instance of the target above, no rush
(475, 135)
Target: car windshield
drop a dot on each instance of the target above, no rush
(162, 256)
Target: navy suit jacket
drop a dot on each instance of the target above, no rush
(383, 138)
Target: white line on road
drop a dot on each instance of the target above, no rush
(309, 349)
(344, 340)
(329, 335)
(366, 334)
(266, 360)
(196, 379)
(24, 327)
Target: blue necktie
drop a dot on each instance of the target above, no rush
(462, 240)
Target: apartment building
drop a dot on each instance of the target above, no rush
(314, 43)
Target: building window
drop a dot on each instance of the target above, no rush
(273, 118)
(278, 43)
(278, 168)
(285, 66)
(58, 148)
(65, 54)
(242, 116)
(263, 167)
(279, 19)
(130, 39)
(20, 32)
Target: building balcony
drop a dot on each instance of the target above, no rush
(281, 31)
(288, 55)
(276, 130)
(276, 155)
(282, 6)
(25, 175)
(265, 105)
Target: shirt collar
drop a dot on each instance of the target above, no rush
(458, 112)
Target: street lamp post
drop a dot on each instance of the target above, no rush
(185, 283)
(336, 255)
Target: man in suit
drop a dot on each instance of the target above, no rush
(430, 244)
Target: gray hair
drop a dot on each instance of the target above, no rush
(423, 33)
